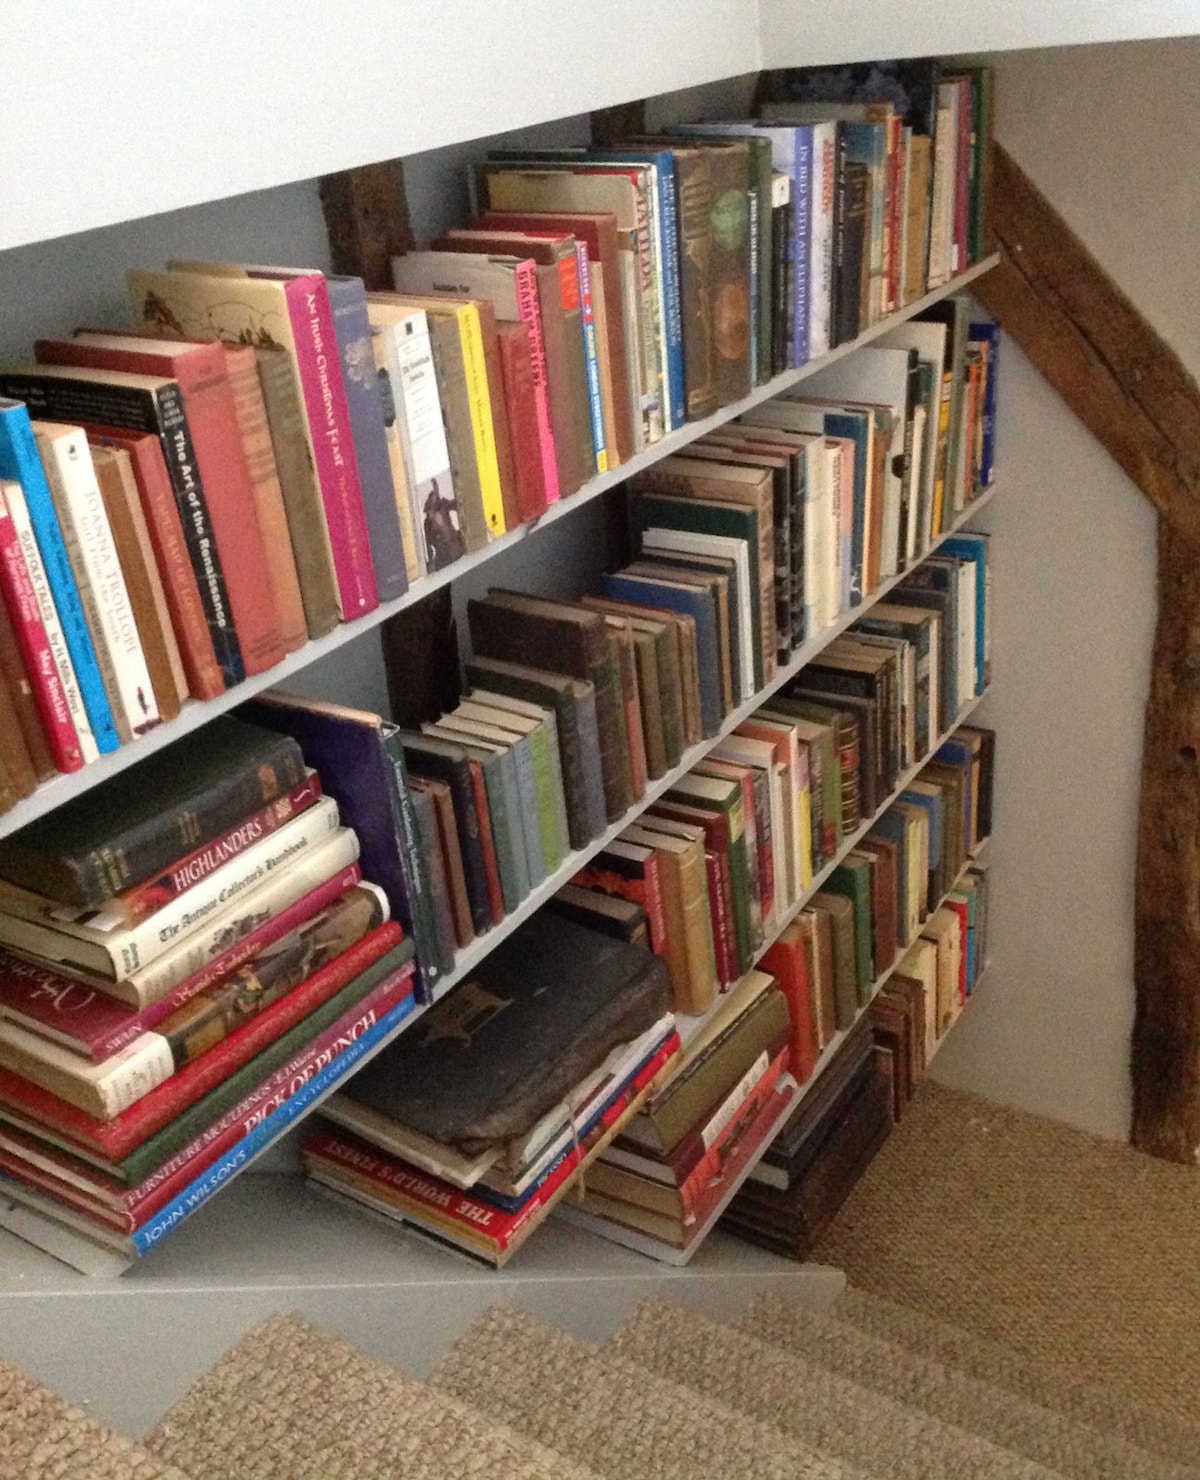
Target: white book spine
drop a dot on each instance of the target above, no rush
(419, 416)
(942, 195)
(820, 272)
(103, 1090)
(93, 553)
(23, 528)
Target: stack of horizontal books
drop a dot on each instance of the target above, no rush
(190, 959)
(473, 1126)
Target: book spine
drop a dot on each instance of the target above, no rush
(80, 505)
(802, 226)
(516, 370)
(439, 889)
(138, 1068)
(529, 311)
(423, 439)
(487, 845)
(391, 393)
(591, 352)
(416, 909)
(694, 184)
(738, 1112)
(482, 425)
(722, 931)
(755, 278)
(19, 511)
(364, 448)
(666, 214)
(535, 857)
(21, 598)
(304, 509)
(337, 471)
(551, 805)
(20, 461)
(269, 1129)
(251, 412)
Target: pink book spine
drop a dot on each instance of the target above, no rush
(100, 1025)
(16, 589)
(531, 314)
(288, 1080)
(337, 466)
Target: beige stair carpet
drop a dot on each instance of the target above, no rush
(1025, 1376)
(810, 1403)
(1072, 1250)
(1014, 1422)
(291, 1403)
(620, 1420)
(43, 1437)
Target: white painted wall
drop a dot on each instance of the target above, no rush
(1111, 135)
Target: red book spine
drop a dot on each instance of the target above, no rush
(37, 1163)
(143, 899)
(115, 1139)
(530, 311)
(895, 205)
(520, 400)
(749, 1144)
(324, 394)
(216, 437)
(491, 867)
(99, 1025)
(190, 625)
(16, 587)
(787, 964)
(709, 1171)
(656, 915)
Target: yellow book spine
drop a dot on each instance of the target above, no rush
(471, 338)
(804, 806)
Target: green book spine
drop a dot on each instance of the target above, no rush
(852, 880)
(430, 947)
(614, 740)
(670, 689)
(530, 806)
(544, 768)
(184, 1129)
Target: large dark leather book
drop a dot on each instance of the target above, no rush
(536, 1017)
(138, 822)
(567, 639)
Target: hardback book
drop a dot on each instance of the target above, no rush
(660, 679)
(137, 823)
(852, 879)
(107, 1088)
(446, 824)
(28, 602)
(107, 946)
(24, 702)
(840, 912)
(573, 703)
(294, 316)
(519, 783)
(361, 764)
(78, 396)
(568, 639)
(689, 947)
(629, 871)
(757, 760)
(430, 843)
(540, 1012)
(90, 1022)
(713, 827)
(20, 462)
(391, 394)
(548, 800)
(786, 961)
(203, 379)
(515, 351)
(540, 722)
(887, 901)
(610, 915)
(147, 597)
(366, 963)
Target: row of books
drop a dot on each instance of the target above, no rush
(885, 938)
(481, 1119)
(270, 451)
(202, 960)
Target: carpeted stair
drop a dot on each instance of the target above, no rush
(865, 1391)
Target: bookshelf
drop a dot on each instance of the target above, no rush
(276, 1242)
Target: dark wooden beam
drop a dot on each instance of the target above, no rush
(1133, 393)
(1088, 339)
(366, 218)
(621, 121)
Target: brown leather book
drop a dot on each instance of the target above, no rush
(845, 975)
(456, 879)
(118, 489)
(884, 916)
(520, 403)
(20, 693)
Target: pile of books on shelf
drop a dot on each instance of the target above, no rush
(190, 959)
(861, 984)
(473, 1126)
(270, 451)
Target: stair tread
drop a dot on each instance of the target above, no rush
(837, 1415)
(290, 1401)
(1026, 1376)
(1039, 1433)
(43, 1437)
(623, 1422)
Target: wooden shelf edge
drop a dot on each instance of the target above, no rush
(59, 789)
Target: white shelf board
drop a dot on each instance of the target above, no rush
(59, 789)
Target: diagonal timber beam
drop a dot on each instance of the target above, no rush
(1133, 393)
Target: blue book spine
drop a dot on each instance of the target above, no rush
(991, 334)
(19, 461)
(225, 1168)
(348, 302)
(591, 356)
(965, 548)
(801, 249)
